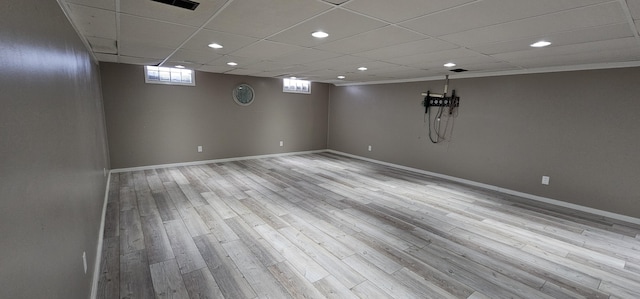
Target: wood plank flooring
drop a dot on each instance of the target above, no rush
(327, 226)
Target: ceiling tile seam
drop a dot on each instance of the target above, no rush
(440, 11)
(533, 17)
(630, 21)
(215, 14)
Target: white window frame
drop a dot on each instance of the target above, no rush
(296, 86)
(169, 76)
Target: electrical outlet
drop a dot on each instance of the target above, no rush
(545, 180)
(199, 148)
(281, 143)
(84, 261)
(369, 148)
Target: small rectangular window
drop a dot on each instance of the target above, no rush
(167, 75)
(296, 86)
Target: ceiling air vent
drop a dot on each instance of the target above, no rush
(459, 70)
(180, 3)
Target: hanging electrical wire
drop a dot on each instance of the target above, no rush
(440, 102)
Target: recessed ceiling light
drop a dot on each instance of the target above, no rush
(320, 34)
(215, 46)
(450, 64)
(293, 78)
(341, 77)
(179, 66)
(540, 44)
(232, 63)
(362, 68)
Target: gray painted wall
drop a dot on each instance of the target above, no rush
(52, 154)
(579, 128)
(151, 124)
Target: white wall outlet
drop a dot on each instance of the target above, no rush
(84, 261)
(545, 180)
(369, 148)
(199, 148)
(281, 143)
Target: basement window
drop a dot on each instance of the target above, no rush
(296, 86)
(168, 75)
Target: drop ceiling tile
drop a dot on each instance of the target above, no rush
(338, 23)
(94, 21)
(265, 49)
(610, 56)
(266, 17)
(139, 61)
(385, 36)
(335, 2)
(214, 68)
(601, 47)
(152, 32)
(592, 16)
(241, 61)
(230, 42)
(104, 4)
(437, 59)
(103, 45)
(406, 49)
(106, 57)
(168, 13)
(373, 67)
(336, 62)
(136, 49)
(305, 55)
(559, 39)
(400, 10)
(488, 12)
(187, 65)
(193, 56)
(244, 72)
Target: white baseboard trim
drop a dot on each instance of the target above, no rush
(148, 167)
(96, 267)
(500, 189)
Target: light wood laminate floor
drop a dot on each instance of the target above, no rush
(323, 225)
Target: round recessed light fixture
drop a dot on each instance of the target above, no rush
(341, 77)
(215, 46)
(319, 34)
(232, 63)
(540, 44)
(293, 78)
(179, 66)
(449, 64)
(362, 68)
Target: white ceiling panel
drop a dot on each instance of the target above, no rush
(152, 32)
(337, 23)
(104, 4)
(103, 45)
(265, 17)
(107, 57)
(489, 12)
(591, 16)
(138, 61)
(194, 56)
(385, 36)
(305, 55)
(230, 42)
(135, 49)
(95, 22)
(403, 39)
(173, 14)
(406, 49)
(585, 35)
(265, 49)
(401, 10)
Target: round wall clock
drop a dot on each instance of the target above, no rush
(243, 94)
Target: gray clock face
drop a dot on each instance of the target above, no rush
(243, 94)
